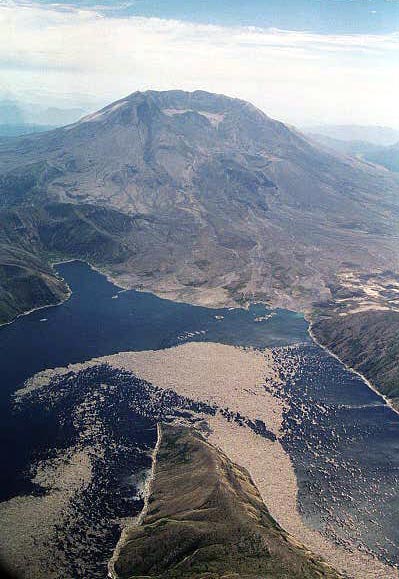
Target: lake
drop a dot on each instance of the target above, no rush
(341, 436)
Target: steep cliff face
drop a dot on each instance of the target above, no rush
(206, 519)
(237, 205)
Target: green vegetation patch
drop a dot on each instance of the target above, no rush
(206, 519)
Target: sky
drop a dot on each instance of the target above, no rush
(304, 62)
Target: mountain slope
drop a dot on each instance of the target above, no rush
(240, 206)
(386, 156)
(30, 236)
(360, 149)
(210, 523)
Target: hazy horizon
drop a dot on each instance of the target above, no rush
(74, 111)
(307, 63)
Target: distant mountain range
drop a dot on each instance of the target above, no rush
(14, 112)
(384, 155)
(7, 130)
(382, 136)
(195, 196)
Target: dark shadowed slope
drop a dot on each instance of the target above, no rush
(206, 519)
(29, 236)
(237, 206)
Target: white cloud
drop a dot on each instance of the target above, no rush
(295, 76)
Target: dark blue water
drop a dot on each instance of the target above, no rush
(342, 438)
(344, 443)
(98, 320)
(91, 323)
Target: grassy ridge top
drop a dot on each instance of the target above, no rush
(206, 519)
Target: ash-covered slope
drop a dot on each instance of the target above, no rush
(241, 206)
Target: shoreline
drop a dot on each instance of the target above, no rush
(173, 295)
(67, 297)
(136, 521)
(388, 401)
(112, 280)
(107, 275)
(27, 312)
(69, 291)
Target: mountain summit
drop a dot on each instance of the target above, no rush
(201, 197)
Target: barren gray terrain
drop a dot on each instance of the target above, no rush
(192, 195)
